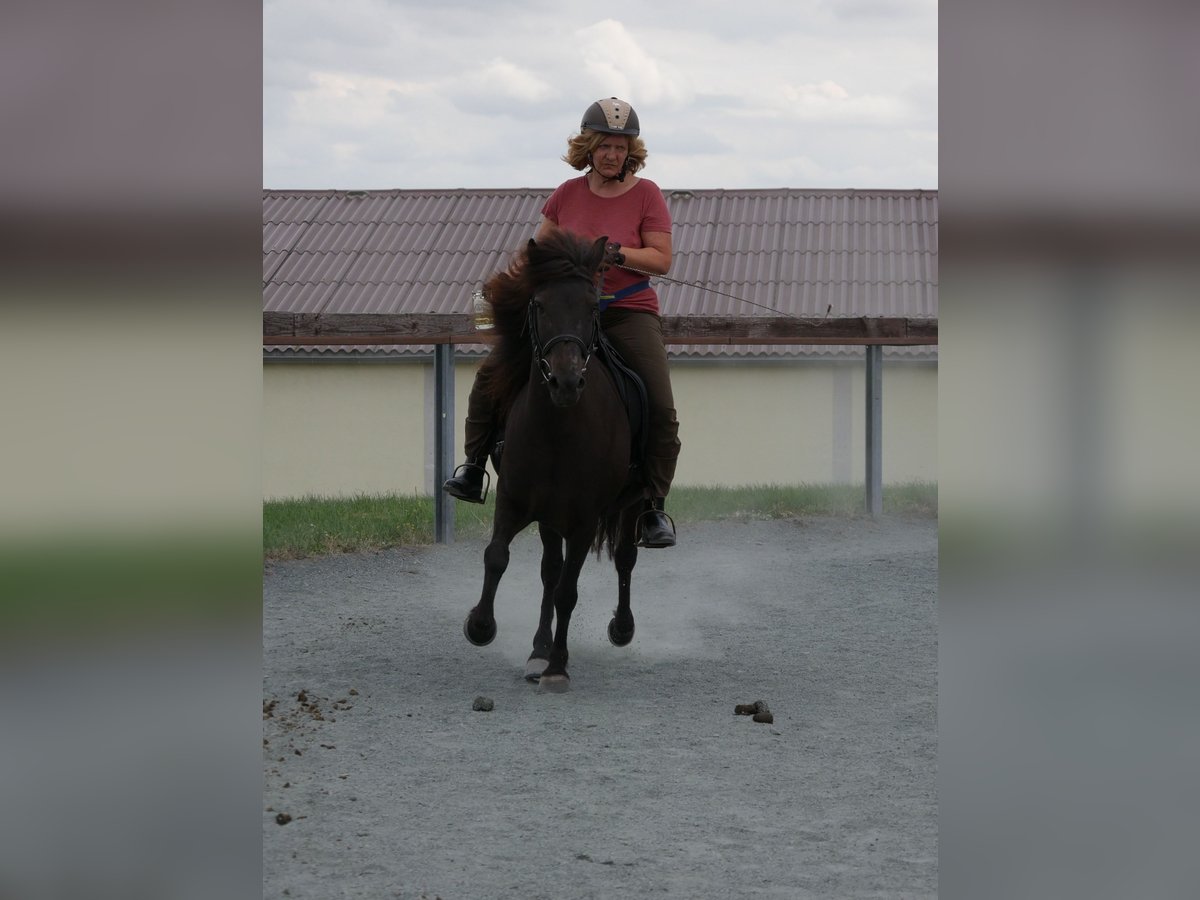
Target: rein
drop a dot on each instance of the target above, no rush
(702, 287)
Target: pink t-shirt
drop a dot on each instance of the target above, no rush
(623, 219)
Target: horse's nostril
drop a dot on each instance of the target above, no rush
(582, 382)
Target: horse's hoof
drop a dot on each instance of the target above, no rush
(481, 637)
(534, 668)
(556, 684)
(618, 637)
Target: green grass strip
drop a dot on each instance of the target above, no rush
(316, 526)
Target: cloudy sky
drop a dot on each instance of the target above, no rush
(485, 93)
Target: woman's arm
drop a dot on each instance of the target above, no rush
(654, 256)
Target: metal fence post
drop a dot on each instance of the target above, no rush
(874, 430)
(443, 462)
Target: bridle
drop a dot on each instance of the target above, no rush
(541, 350)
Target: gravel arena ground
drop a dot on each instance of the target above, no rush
(382, 781)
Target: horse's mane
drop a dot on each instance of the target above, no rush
(561, 254)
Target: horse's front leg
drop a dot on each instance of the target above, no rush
(552, 564)
(480, 625)
(566, 593)
(620, 626)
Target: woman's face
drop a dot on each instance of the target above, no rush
(609, 157)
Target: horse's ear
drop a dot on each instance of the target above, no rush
(597, 254)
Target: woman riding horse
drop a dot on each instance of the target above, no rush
(608, 199)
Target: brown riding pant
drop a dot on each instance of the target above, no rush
(638, 338)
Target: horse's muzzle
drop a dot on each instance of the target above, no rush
(566, 389)
(564, 370)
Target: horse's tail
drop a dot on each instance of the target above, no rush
(613, 519)
(607, 530)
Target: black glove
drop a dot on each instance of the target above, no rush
(613, 255)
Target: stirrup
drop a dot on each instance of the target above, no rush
(641, 542)
(484, 486)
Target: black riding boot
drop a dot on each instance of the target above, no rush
(467, 482)
(657, 528)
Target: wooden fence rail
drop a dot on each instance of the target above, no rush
(283, 328)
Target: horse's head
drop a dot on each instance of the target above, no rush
(564, 324)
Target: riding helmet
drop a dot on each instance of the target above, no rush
(611, 116)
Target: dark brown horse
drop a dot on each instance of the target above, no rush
(566, 458)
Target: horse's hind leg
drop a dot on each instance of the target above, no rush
(620, 626)
(480, 625)
(552, 563)
(566, 594)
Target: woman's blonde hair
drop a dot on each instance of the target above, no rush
(581, 147)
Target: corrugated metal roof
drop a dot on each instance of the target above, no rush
(791, 251)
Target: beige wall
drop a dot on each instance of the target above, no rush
(910, 425)
(801, 423)
(342, 428)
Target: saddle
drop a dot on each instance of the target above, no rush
(632, 391)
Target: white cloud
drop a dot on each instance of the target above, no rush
(617, 65)
(345, 152)
(829, 101)
(510, 80)
(793, 95)
(495, 88)
(341, 100)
